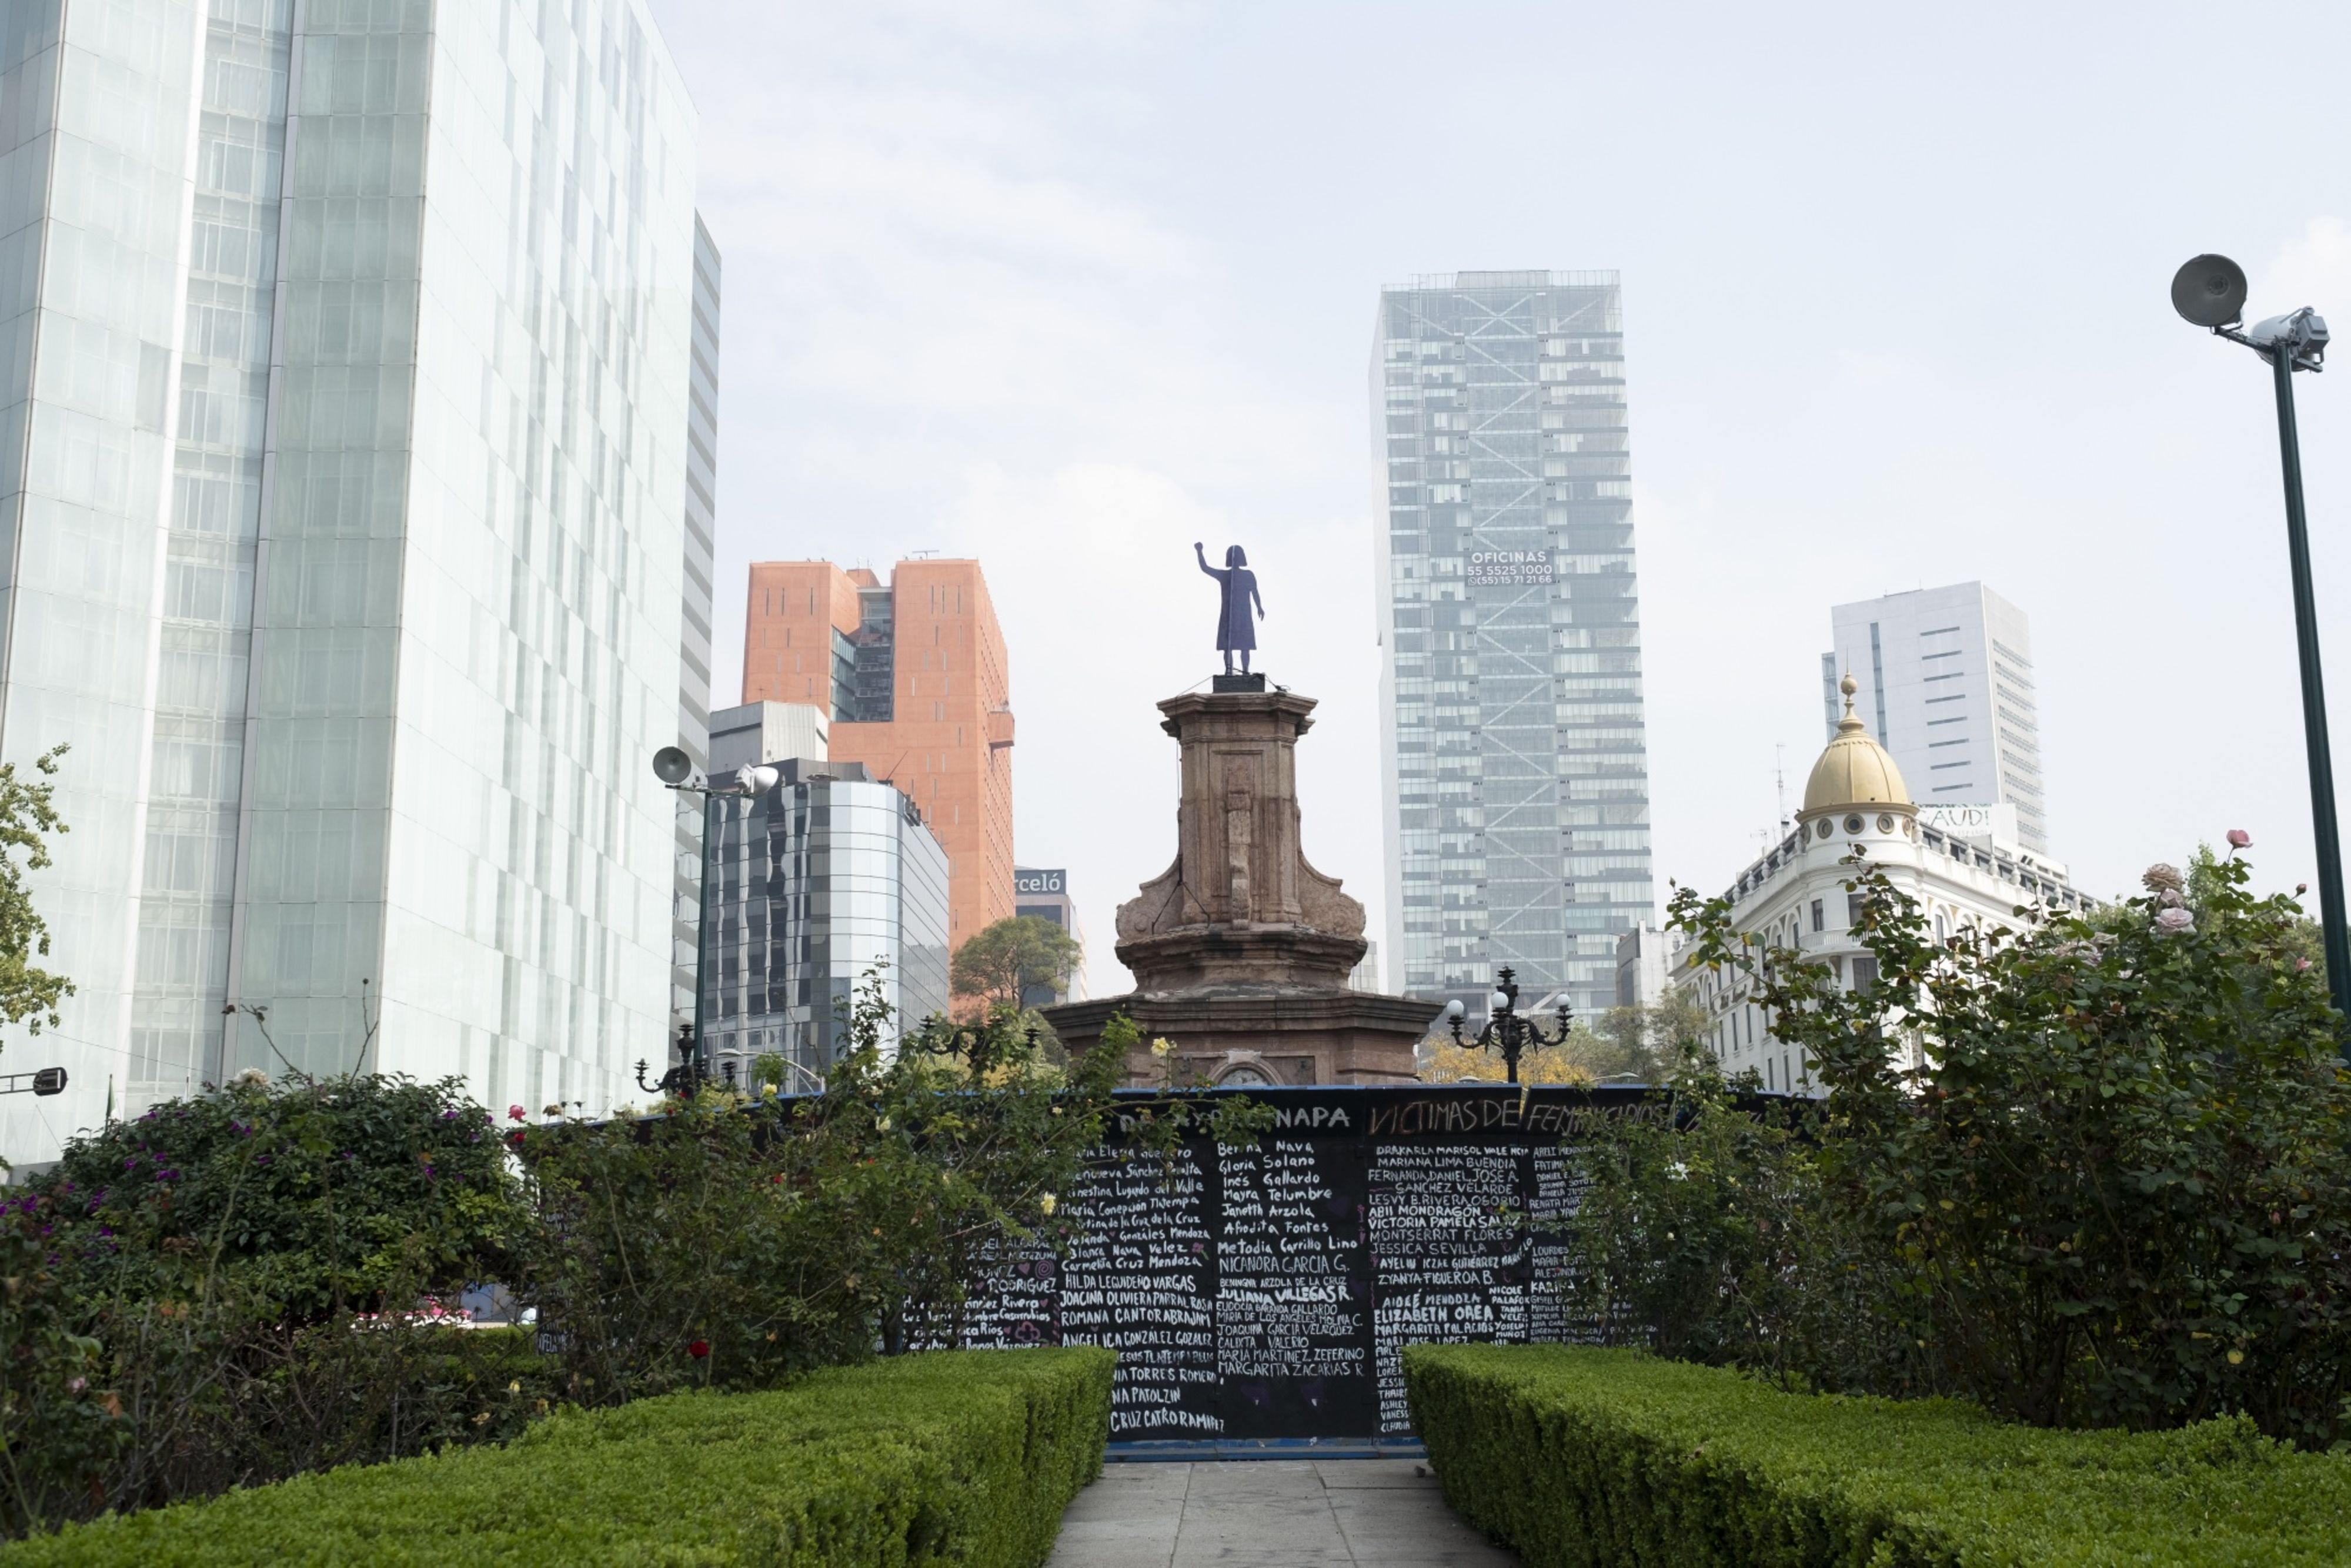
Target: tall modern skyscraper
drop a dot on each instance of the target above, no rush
(1946, 677)
(1512, 745)
(344, 355)
(915, 674)
(701, 570)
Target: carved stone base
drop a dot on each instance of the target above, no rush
(1296, 956)
(1240, 950)
(1242, 1032)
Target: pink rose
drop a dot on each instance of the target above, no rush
(2174, 922)
(2239, 837)
(514, 1113)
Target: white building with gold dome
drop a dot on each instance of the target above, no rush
(1963, 870)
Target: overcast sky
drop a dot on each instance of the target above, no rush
(1068, 286)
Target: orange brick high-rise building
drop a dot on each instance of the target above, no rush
(914, 676)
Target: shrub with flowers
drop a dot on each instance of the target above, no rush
(2117, 1192)
(731, 1242)
(183, 1287)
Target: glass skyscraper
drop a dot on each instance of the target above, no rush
(700, 572)
(344, 354)
(827, 877)
(1512, 748)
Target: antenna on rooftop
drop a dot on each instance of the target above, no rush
(1779, 779)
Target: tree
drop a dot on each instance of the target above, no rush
(1650, 1042)
(2116, 1189)
(1001, 962)
(1582, 1058)
(27, 819)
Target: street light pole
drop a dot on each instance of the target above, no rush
(1506, 1029)
(701, 936)
(674, 769)
(2338, 933)
(2210, 291)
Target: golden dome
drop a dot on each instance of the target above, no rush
(1855, 771)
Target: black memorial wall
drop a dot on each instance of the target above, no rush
(1266, 1290)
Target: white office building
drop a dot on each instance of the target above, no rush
(1952, 862)
(344, 357)
(1945, 678)
(1513, 756)
(827, 880)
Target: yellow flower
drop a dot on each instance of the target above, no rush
(2236, 1358)
(516, 1386)
(1047, 1203)
(1163, 1047)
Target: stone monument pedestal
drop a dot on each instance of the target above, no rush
(1240, 950)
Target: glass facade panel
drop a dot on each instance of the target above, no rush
(701, 568)
(1513, 743)
(345, 352)
(100, 114)
(196, 747)
(812, 885)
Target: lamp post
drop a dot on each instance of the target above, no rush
(2210, 291)
(674, 769)
(1505, 1031)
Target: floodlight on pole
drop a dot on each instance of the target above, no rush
(2209, 292)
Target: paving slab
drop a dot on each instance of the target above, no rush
(1270, 1513)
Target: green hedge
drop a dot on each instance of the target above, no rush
(1595, 1457)
(953, 1458)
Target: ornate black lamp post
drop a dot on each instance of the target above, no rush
(1505, 1030)
(2210, 291)
(685, 1078)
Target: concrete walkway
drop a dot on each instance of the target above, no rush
(1270, 1513)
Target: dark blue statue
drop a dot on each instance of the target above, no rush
(1236, 628)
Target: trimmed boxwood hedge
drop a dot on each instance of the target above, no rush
(1587, 1456)
(952, 1457)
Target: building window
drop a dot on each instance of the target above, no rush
(1864, 972)
(1820, 917)
(1851, 910)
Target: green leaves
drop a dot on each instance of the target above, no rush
(28, 822)
(2095, 1170)
(943, 1459)
(1586, 1456)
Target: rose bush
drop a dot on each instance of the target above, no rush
(241, 1286)
(2116, 1192)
